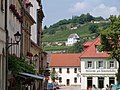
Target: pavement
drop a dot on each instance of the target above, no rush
(70, 88)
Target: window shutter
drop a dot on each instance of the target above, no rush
(104, 64)
(86, 66)
(115, 64)
(93, 64)
(97, 64)
(108, 64)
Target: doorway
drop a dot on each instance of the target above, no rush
(89, 82)
(111, 80)
(68, 82)
(100, 82)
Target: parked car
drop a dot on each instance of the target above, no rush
(50, 86)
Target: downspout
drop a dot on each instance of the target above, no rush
(6, 79)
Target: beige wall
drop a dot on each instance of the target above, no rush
(35, 50)
(13, 26)
(2, 45)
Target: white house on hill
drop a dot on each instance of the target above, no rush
(72, 39)
(68, 68)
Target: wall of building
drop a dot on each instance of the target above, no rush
(13, 26)
(33, 13)
(96, 73)
(71, 75)
(2, 45)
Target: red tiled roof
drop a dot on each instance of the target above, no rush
(65, 60)
(91, 51)
(88, 43)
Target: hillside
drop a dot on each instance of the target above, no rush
(86, 26)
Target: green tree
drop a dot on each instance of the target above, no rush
(93, 29)
(17, 65)
(77, 48)
(45, 27)
(54, 75)
(110, 41)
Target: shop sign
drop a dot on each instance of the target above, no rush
(102, 70)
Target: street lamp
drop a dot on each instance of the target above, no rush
(17, 37)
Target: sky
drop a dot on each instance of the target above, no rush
(56, 10)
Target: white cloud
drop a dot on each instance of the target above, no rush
(80, 6)
(94, 8)
(104, 11)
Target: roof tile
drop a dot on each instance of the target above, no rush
(65, 60)
(91, 51)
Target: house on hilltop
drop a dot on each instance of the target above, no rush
(72, 39)
(68, 68)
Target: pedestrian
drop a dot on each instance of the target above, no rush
(107, 87)
(94, 87)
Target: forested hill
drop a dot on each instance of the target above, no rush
(78, 24)
(84, 26)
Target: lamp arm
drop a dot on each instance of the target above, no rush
(12, 44)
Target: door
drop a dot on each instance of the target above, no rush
(111, 80)
(89, 82)
(68, 82)
(100, 82)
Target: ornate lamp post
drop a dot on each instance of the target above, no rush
(17, 39)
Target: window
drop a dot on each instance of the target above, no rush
(75, 80)
(100, 64)
(111, 64)
(111, 80)
(75, 70)
(60, 79)
(89, 64)
(68, 71)
(60, 70)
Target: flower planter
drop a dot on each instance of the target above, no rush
(15, 12)
(18, 16)
(12, 7)
(21, 21)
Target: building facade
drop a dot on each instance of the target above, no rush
(2, 45)
(31, 31)
(67, 67)
(72, 39)
(96, 69)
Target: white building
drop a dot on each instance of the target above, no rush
(95, 67)
(72, 39)
(68, 68)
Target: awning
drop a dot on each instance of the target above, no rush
(32, 75)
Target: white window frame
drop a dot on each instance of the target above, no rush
(112, 64)
(89, 64)
(100, 64)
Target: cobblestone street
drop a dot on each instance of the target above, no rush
(70, 88)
